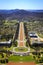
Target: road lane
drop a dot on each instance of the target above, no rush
(21, 35)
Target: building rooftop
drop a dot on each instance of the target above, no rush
(6, 42)
(33, 35)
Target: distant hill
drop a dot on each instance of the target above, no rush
(35, 11)
(29, 15)
(7, 11)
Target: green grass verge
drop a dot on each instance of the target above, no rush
(21, 58)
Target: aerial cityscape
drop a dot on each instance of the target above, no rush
(21, 32)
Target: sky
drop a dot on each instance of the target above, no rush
(21, 4)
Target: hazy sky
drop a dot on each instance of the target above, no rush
(21, 4)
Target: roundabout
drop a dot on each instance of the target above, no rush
(21, 51)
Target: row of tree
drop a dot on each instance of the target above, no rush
(16, 35)
(26, 34)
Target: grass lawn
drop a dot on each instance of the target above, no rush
(40, 35)
(21, 49)
(21, 58)
(10, 48)
(0, 56)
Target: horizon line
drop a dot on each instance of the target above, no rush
(21, 9)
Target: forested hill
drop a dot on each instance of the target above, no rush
(21, 14)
